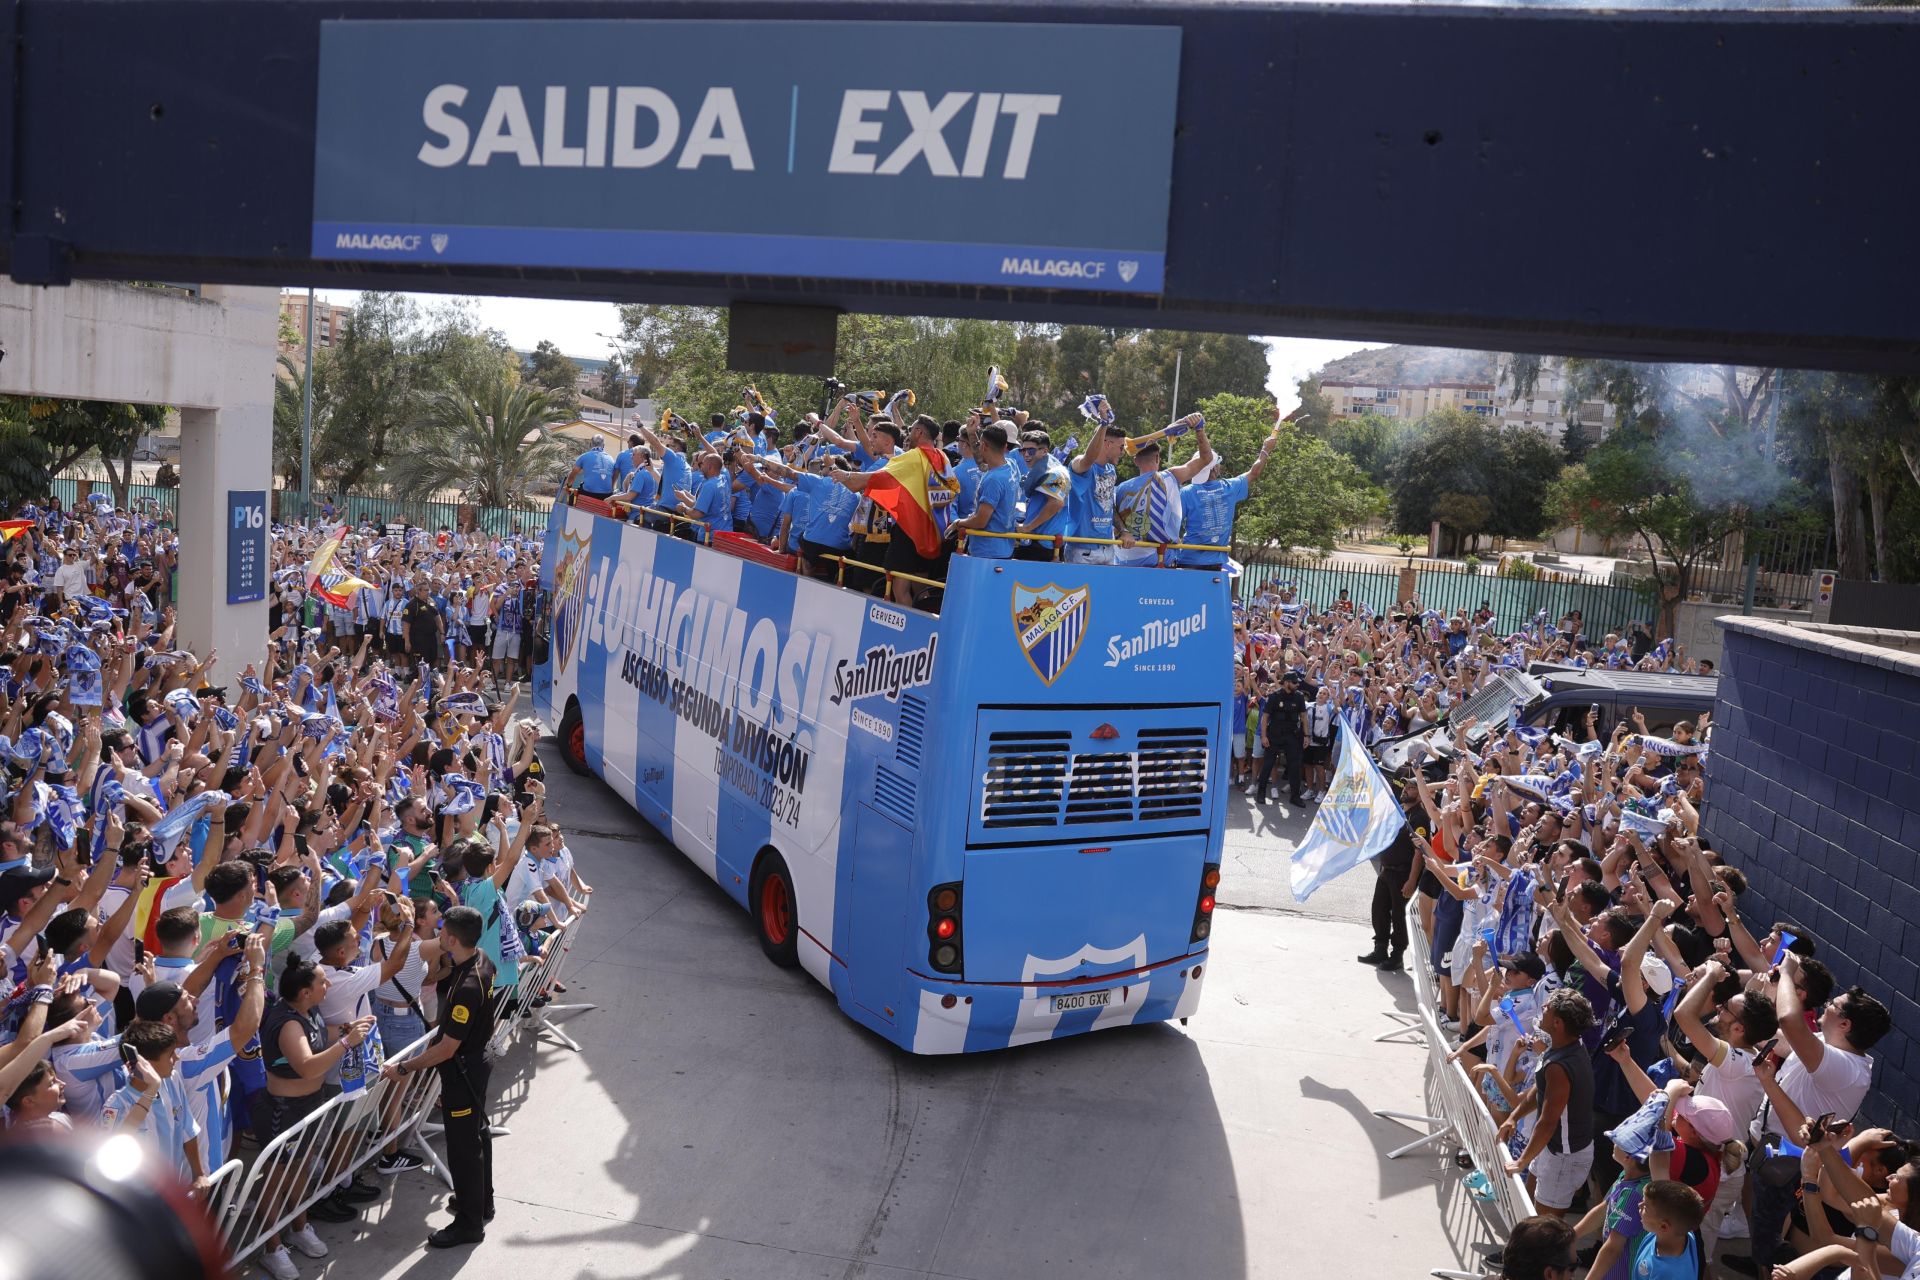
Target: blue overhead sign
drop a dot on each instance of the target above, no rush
(1035, 155)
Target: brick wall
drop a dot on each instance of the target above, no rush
(1814, 792)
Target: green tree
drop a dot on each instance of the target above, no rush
(288, 389)
(1370, 441)
(393, 354)
(24, 456)
(69, 430)
(485, 440)
(558, 375)
(1307, 496)
(1633, 486)
(1316, 407)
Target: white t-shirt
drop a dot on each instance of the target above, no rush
(303, 944)
(1905, 1246)
(1733, 1084)
(1838, 1086)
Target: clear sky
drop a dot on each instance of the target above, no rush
(580, 329)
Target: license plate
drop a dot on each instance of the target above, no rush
(1082, 1000)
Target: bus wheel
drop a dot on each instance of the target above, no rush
(573, 738)
(774, 915)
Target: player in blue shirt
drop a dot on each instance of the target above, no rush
(995, 495)
(795, 507)
(1209, 508)
(641, 486)
(822, 518)
(1090, 501)
(710, 505)
(740, 486)
(623, 462)
(592, 474)
(1046, 485)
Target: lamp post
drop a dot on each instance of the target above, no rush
(306, 417)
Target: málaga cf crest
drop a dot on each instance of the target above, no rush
(569, 596)
(1049, 622)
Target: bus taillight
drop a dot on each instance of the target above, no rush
(1203, 910)
(943, 928)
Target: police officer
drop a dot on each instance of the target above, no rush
(460, 1052)
(1283, 728)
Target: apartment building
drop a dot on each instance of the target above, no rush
(1545, 408)
(329, 323)
(1410, 402)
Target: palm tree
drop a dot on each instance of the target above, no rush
(486, 439)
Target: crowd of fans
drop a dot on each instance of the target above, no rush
(999, 484)
(220, 898)
(222, 894)
(1663, 1074)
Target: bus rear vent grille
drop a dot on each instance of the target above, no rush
(1034, 780)
(913, 729)
(894, 794)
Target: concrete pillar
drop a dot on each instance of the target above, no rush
(221, 450)
(1409, 583)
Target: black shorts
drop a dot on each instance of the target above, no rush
(1033, 551)
(903, 557)
(478, 636)
(1318, 753)
(274, 1115)
(818, 565)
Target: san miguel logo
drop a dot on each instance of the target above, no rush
(569, 595)
(1049, 623)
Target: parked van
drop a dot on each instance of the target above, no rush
(1556, 698)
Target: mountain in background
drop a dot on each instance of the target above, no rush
(1410, 366)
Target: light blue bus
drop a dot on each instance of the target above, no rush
(992, 826)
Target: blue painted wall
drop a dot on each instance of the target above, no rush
(1812, 792)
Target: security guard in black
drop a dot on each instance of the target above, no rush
(1283, 725)
(460, 1054)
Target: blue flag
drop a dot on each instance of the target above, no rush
(1357, 818)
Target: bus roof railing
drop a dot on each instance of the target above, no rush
(1060, 540)
(623, 510)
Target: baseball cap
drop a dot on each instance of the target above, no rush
(157, 1001)
(1658, 977)
(1526, 962)
(996, 432)
(16, 883)
(1708, 1116)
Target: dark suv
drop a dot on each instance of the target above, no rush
(1557, 699)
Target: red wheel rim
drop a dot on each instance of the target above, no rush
(774, 917)
(577, 742)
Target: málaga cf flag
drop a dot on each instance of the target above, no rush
(1358, 817)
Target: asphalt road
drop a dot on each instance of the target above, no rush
(724, 1121)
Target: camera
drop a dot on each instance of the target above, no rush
(833, 386)
(1005, 413)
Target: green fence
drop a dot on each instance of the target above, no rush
(361, 509)
(72, 489)
(1515, 601)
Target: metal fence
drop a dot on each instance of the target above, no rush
(1788, 559)
(1461, 1123)
(252, 1201)
(353, 508)
(71, 489)
(1515, 601)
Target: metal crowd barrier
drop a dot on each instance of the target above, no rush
(528, 1002)
(258, 1200)
(1463, 1120)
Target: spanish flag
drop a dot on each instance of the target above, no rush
(11, 529)
(902, 486)
(146, 910)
